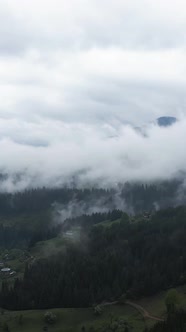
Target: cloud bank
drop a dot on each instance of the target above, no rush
(85, 155)
(76, 76)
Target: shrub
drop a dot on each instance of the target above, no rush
(50, 318)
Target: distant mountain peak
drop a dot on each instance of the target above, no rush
(165, 121)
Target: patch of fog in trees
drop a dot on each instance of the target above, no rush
(76, 208)
(132, 198)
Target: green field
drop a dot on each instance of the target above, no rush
(108, 223)
(71, 320)
(156, 304)
(43, 248)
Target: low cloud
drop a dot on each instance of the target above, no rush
(76, 77)
(92, 155)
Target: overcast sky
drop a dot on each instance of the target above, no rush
(75, 73)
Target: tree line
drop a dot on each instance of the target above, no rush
(136, 197)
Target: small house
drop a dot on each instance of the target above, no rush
(5, 270)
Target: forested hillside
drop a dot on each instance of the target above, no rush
(133, 197)
(32, 215)
(135, 257)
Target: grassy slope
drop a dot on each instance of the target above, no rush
(107, 223)
(43, 248)
(72, 320)
(155, 304)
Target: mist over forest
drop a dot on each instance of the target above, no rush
(92, 166)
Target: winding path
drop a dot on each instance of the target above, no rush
(138, 307)
(143, 311)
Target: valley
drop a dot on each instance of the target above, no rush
(101, 271)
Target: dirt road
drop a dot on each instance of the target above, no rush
(143, 311)
(138, 307)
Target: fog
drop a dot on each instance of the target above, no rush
(76, 78)
(95, 156)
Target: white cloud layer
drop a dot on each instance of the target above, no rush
(74, 74)
(87, 155)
